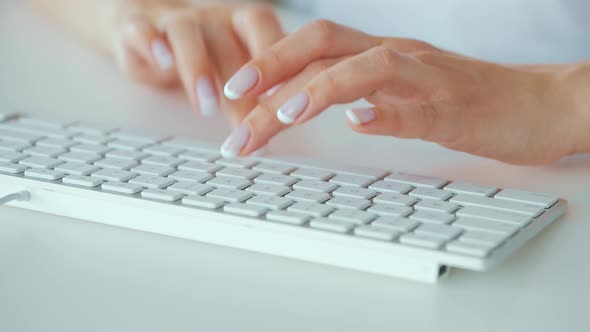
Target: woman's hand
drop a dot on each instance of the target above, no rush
(162, 42)
(521, 115)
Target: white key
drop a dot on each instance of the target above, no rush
(44, 122)
(331, 225)
(288, 217)
(138, 135)
(12, 168)
(11, 157)
(486, 226)
(82, 181)
(495, 215)
(389, 186)
(126, 145)
(278, 179)
(230, 183)
(313, 209)
(74, 168)
(244, 209)
(395, 199)
(125, 154)
(401, 224)
(203, 202)
(271, 202)
(116, 163)
(436, 206)
(161, 195)
(188, 144)
(41, 162)
(162, 161)
(90, 148)
(92, 139)
(46, 132)
(242, 173)
(15, 136)
(121, 188)
(56, 143)
(238, 162)
(200, 177)
(430, 193)
(353, 216)
(432, 217)
(44, 174)
(153, 170)
(88, 129)
(390, 210)
(230, 195)
(376, 232)
(41, 151)
(114, 175)
(312, 174)
(151, 181)
(470, 189)
(320, 186)
(471, 249)
(273, 168)
(417, 180)
(354, 192)
(200, 156)
(308, 196)
(268, 189)
(163, 150)
(13, 146)
(80, 157)
(197, 166)
(531, 210)
(352, 180)
(426, 241)
(484, 238)
(443, 231)
(522, 196)
(190, 188)
(349, 203)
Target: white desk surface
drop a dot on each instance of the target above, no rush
(59, 274)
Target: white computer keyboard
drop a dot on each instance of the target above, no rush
(371, 220)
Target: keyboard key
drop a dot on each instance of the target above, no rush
(390, 210)
(203, 202)
(196, 166)
(273, 168)
(436, 206)
(200, 177)
(82, 181)
(41, 162)
(432, 217)
(83, 128)
(486, 226)
(80, 157)
(471, 249)
(426, 241)
(115, 163)
(189, 144)
(13, 146)
(122, 188)
(90, 148)
(92, 139)
(354, 192)
(126, 154)
(200, 156)
(230, 183)
(162, 161)
(331, 225)
(352, 180)
(320, 186)
(268, 189)
(288, 217)
(14, 136)
(152, 181)
(395, 199)
(74, 168)
(12, 168)
(313, 209)
(401, 224)
(442, 231)
(349, 203)
(44, 174)
(417, 180)
(430, 193)
(483, 238)
(237, 162)
(190, 188)
(376, 232)
(153, 170)
(271, 202)
(353, 216)
(242, 173)
(126, 145)
(390, 187)
(244, 209)
(230, 195)
(60, 143)
(312, 174)
(522, 196)
(11, 157)
(40, 151)
(278, 179)
(163, 150)
(117, 175)
(161, 195)
(531, 210)
(495, 215)
(470, 189)
(44, 122)
(308, 196)
(138, 135)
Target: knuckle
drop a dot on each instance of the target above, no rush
(260, 12)
(179, 20)
(385, 55)
(317, 67)
(426, 56)
(322, 29)
(430, 117)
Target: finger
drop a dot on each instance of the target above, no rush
(293, 53)
(193, 63)
(258, 28)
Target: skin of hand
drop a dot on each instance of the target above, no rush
(516, 114)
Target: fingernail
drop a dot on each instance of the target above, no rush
(162, 54)
(206, 96)
(360, 116)
(241, 82)
(235, 142)
(292, 108)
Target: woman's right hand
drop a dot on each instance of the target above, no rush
(163, 42)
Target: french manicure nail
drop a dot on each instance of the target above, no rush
(360, 115)
(292, 108)
(162, 54)
(235, 142)
(241, 82)
(206, 96)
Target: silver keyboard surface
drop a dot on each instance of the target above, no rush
(432, 214)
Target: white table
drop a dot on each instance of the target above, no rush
(59, 274)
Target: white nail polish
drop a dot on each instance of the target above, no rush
(206, 96)
(162, 54)
(293, 108)
(352, 117)
(235, 142)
